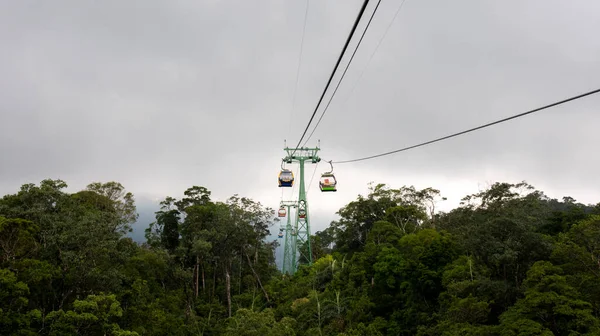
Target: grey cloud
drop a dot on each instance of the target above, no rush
(164, 95)
(446, 67)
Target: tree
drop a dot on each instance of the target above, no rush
(508, 261)
(550, 304)
(168, 219)
(357, 218)
(17, 239)
(195, 195)
(123, 204)
(15, 318)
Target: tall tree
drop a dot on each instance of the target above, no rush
(123, 204)
(168, 219)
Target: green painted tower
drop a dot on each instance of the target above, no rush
(298, 234)
(287, 250)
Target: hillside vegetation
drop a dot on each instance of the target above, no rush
(508, 261)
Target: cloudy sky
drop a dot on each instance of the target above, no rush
(164, 95)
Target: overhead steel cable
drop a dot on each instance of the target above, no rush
(475, 128)
(297, 77)
(298, 68)
(311, 179)
(358, 17)
(344, 73)
(374, 52)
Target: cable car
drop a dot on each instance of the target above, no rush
(328, 181)
(280, 235)
(302, 214)
(286, 178)
(281, 212)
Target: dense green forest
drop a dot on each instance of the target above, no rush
(508, 261)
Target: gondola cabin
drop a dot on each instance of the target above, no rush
(327, 182)
(280, 235)
(302, 214)
(282, 212)
(286, 178)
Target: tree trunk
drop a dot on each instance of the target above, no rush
(197, 274)
(203, 282)
(257, 277)
(240, 276)
(256, 255)
(228, 287)
(214, 289)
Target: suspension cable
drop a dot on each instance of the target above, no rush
(373, 53)
(311, 178)
(359, 16)
(298, 68)
(344, 73)
(475, 128)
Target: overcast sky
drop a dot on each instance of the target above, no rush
(164, 95)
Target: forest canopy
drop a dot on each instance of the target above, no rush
(508, 260)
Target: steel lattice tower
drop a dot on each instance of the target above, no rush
(287, 252)
(298, 234)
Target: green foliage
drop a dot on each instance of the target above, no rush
(165, 231)
(17, 238)
(507, 261)
(96, 314)
(550, 304)
(246, 322)
(14, 313)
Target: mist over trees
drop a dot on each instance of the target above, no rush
(508, 261)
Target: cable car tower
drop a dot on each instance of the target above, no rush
(288, 253)
(299, 233)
